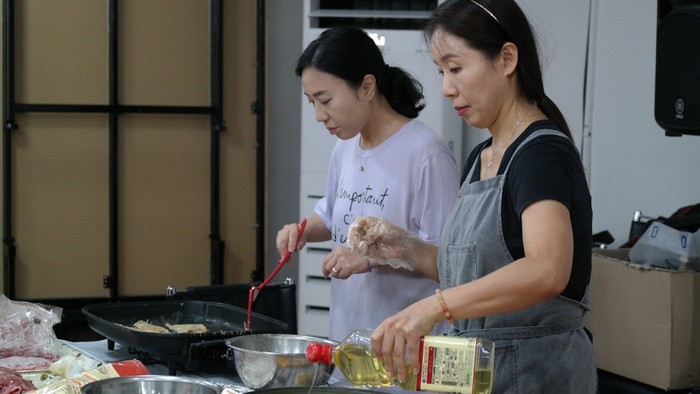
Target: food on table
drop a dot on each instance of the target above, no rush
(104, 371)
(73, 364)
(12, 382)
(145, 326)
(26, 363)
(187, 328)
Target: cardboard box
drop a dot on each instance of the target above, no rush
(645, 322)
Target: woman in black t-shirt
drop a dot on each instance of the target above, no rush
(515, 256)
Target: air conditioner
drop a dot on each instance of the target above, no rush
(398, 34)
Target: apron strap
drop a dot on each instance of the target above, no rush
(532, 136)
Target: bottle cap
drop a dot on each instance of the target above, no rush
(318, 352)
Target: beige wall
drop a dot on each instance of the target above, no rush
(60, 163)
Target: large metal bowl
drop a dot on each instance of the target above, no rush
(150, 384)
(265, 361)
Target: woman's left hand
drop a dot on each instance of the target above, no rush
(396, 341)
(342, 263)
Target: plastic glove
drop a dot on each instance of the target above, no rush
(386, 243)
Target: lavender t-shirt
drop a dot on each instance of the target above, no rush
(411, 179)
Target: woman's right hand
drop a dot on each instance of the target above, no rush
(287, 239)
(397, 339)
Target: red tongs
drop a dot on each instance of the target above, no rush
(255, 290)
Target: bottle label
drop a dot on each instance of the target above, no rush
(447, 364)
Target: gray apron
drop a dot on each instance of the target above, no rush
(542, 349)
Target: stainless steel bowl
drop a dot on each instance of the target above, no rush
(266, 361)
(150, 384)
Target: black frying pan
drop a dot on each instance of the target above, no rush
(222, 321)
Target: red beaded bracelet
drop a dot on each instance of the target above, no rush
(446, 311)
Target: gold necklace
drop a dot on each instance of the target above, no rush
(493, 151)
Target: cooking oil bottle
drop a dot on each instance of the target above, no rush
(447, 364)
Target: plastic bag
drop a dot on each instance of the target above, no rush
(26, 332)
(662, 246)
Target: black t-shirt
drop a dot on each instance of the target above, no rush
(547, 168)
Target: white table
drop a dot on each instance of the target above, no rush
(99, 351)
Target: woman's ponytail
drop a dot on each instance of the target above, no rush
(547, 106)
(403, 92)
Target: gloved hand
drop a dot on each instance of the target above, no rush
(384, 242)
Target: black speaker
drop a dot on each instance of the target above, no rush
(677, 98)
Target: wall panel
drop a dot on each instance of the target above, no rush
(61, 161)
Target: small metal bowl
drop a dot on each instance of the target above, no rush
(150, 384)
(265, 361)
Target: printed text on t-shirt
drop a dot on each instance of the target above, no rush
(364, 197)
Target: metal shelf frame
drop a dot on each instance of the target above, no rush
(114, 109)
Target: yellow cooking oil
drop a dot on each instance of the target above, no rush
(483, 381)
(362, 368)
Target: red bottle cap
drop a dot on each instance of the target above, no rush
(318, 352)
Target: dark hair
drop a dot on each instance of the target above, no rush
(485, 25)
(349, 54)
